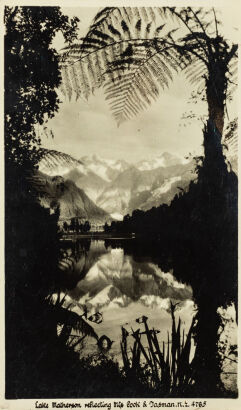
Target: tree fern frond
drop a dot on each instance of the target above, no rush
(138, 86)
(148, 27)
(195, 70)
(103, 44)
(71, 48)
(75, 81)
(137, 12)
(125, 26)
(113, 30)
(101, 35)
(66, 81)
(75, 321)
(102, 14)
(160, 28)
(130, 52)
(127, 12)
(138, 25)
(145, 14)
(94, 42)
(196, 74)
(85, 79)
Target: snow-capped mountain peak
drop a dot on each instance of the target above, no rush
(119, 187)
(163, 160)
(107, 169)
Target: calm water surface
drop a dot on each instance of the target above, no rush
(123, 287)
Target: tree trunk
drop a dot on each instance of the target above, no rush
(216, 88)
(207, 361)
(214, 162)
(215, 110)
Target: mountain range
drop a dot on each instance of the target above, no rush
(114, 187)
(73, 201)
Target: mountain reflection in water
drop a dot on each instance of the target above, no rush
(124, 281)
(124, 289)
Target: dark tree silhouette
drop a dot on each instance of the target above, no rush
(31, 75)
(31, 232)
(65, 226)
(86, 227)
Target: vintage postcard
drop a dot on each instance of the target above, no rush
(120, 184)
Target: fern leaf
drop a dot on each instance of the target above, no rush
(138, 25)
(148, 28)
(129, 52)
(75, 80)
(76, 322)
(66, 81)
(125, 26)
(113, 30)
(103, 14)
(158, 29)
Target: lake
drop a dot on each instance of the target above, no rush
(123, 282)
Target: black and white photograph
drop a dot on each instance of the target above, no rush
(121, 203)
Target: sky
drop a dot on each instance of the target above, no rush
(86, 128)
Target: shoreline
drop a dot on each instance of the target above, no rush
(94, 235)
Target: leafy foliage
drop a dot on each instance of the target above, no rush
(130, 52)
(231, 137)
(31, 232)
(51, 158)
(31, 75)
(167, 369)
(69, 319)
(121, 52)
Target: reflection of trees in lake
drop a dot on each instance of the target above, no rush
(77, 259)
(197, 233)
(197, 237)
